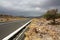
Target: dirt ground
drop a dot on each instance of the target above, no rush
(40, 29)
(10, 19)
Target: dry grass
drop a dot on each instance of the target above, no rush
(6, 18)
(39, 29)
(10, 19)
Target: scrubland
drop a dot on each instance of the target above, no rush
(7, 18)
(40, 29)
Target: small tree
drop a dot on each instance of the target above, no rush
(51, 15)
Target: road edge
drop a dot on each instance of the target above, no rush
(13, 33)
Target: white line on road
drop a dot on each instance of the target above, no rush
(13, 33)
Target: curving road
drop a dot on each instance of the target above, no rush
(9, 27)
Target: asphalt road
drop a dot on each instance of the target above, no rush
(9, 27)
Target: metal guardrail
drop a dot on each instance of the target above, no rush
(21, 36)
(16, 31)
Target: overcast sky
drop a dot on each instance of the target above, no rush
(27, 7)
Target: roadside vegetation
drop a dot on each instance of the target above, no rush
(52, 15)
(6, 18)
(45, 28)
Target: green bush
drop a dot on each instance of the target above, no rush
(52, 15)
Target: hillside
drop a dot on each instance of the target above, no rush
(40, 29)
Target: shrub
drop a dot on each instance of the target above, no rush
(51, 15)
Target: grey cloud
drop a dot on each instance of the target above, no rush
(28, 7)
